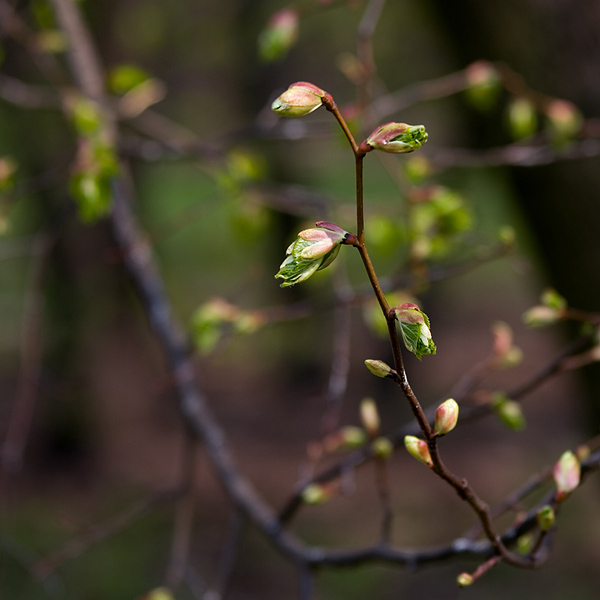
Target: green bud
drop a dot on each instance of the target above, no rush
(414, 327)
(382, 448)
(299, 100)
(417, 168)
(567, 473)
(418, 449)
(507, 236)
(279, 35)
(346, 438)
(552, 299)
(509, 412)
(464, 580)
(93, 195)
(525, 544)
(313, 250)
(123, 78)
(315, 494)
(8, 168)
(379, 368)
(545, 518)
(446, 417)
(87, 116)
(522, 118)
(397, 138)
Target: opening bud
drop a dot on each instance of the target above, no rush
(414, 327)
(397, 138)
(446, 416)
(567, 473)
(369, 415)
(464, 579)
(418, 449)
(299, 100)
(379, 368)
(545, 518)
(313, 250)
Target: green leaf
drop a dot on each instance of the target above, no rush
(417, 338)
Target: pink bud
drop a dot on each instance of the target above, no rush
(298, 100)
(446, 417)
(567, 473)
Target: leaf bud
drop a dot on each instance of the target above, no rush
(279, 35)
(418, 449)
(464, 579)
(382, 448)
(379, 368)
(525, 544)
(564, 120)
(567, 473)
(541, 316)
(414, 327)
(545, 518)
(522, 118)
(315, 493)
(509, 412)
(347, 438)
(397, 138)
(313, 250)
(299, 100)
(446, 417)
(369, 415)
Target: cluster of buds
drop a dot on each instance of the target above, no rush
(415, 329)
(313, 250)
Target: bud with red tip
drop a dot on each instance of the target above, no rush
(279, 35)
(446, 417)
(418, 449)
(299, 100)
(396, 138)
(464, 579)
(567, 473)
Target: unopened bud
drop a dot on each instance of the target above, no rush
(446, 417)
(382, 448)
(540, 316)
(397, 138)
(379, 368)
(483, 84)
(369, 415)
(347, 438)
(545, 518)
(564, 119)
(509, 412)
(464, 579)
(298, 100)
(567, 473)
(160, 593)
(522, 118)
(524, 544)
(418, 449)
(279, 35)
(315, 494)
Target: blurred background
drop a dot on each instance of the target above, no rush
(222, 186)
